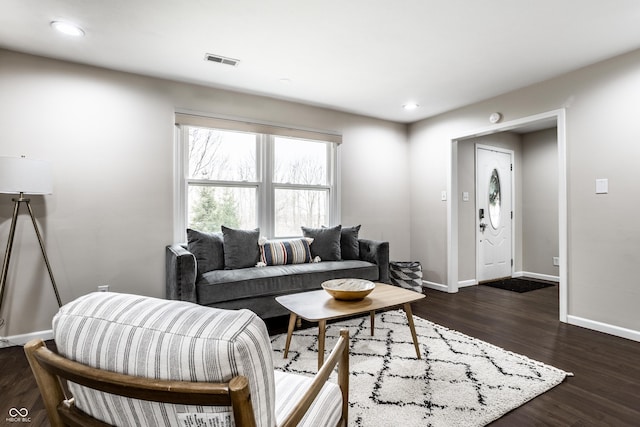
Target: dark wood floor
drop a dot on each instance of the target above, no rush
(605, 390)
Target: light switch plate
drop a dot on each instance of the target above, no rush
(443, 195)
(465, 196)
(602, 186)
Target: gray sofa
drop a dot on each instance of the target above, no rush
(255, 288)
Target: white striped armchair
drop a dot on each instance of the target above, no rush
(191, 354)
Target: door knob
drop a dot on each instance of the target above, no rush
(482, 226)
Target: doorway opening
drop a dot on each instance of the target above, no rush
(459, 255)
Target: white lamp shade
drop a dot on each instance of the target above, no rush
(22, 175)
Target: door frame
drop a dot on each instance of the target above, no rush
(513, 190)
(557, 117)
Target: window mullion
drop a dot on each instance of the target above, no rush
(209, 182)
(335, 205)
(266, 208)
(334, 196)
(301, 186)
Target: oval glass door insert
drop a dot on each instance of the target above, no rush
(494, 199)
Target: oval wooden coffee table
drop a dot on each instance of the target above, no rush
(319, 306)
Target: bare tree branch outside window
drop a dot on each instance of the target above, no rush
(222, 162)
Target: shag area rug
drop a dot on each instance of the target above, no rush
(460, 380)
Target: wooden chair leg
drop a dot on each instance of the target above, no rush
(343, 377)
(49, 385)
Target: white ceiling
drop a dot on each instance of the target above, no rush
(362, 56)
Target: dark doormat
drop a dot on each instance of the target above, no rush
(519, 284)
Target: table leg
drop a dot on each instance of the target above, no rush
(322, 326)
(292, 324)
(407, 310)
(372, 314)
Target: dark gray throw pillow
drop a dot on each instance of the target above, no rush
(207, 248)
(349, 245)
(326, 242)
(241, 248)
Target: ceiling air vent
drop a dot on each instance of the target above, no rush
(221, 59)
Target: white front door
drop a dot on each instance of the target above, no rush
(494, 213)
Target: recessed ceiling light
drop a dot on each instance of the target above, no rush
(410, 106)
(67, 28)
(285, 80)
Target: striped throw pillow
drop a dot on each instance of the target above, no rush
(281, 252)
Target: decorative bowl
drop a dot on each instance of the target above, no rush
(348, 289)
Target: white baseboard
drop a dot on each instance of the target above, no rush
(436, 286)
(604, 327)
(445, 288)
(549, 278)
(466, 283)
(25, 338)
(538, 276)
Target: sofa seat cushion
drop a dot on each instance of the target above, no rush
(226, 285)
(171, 340)
(325, 410)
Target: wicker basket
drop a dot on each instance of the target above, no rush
(406, 274)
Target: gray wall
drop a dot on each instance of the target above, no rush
(602, 130)
(540, 202)
(109, 136)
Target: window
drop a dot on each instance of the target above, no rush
(221, 179)
(246, 179)
(494, 199)
(300, 181)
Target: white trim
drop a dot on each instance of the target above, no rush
(265, 190)
(22, 339)
(436, 286)
(179, 188)
(538, 276)
(604, 327)
(467, 283)
(516, 274)
(452, 210)
(563, 230)
(336, 195)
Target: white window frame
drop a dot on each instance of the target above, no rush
(265, 187)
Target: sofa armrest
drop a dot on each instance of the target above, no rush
(180, 274)
(376, 252)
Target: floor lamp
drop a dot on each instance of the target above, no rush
(19, 175)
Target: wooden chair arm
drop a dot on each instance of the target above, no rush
(177, 392)
(339, 356)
